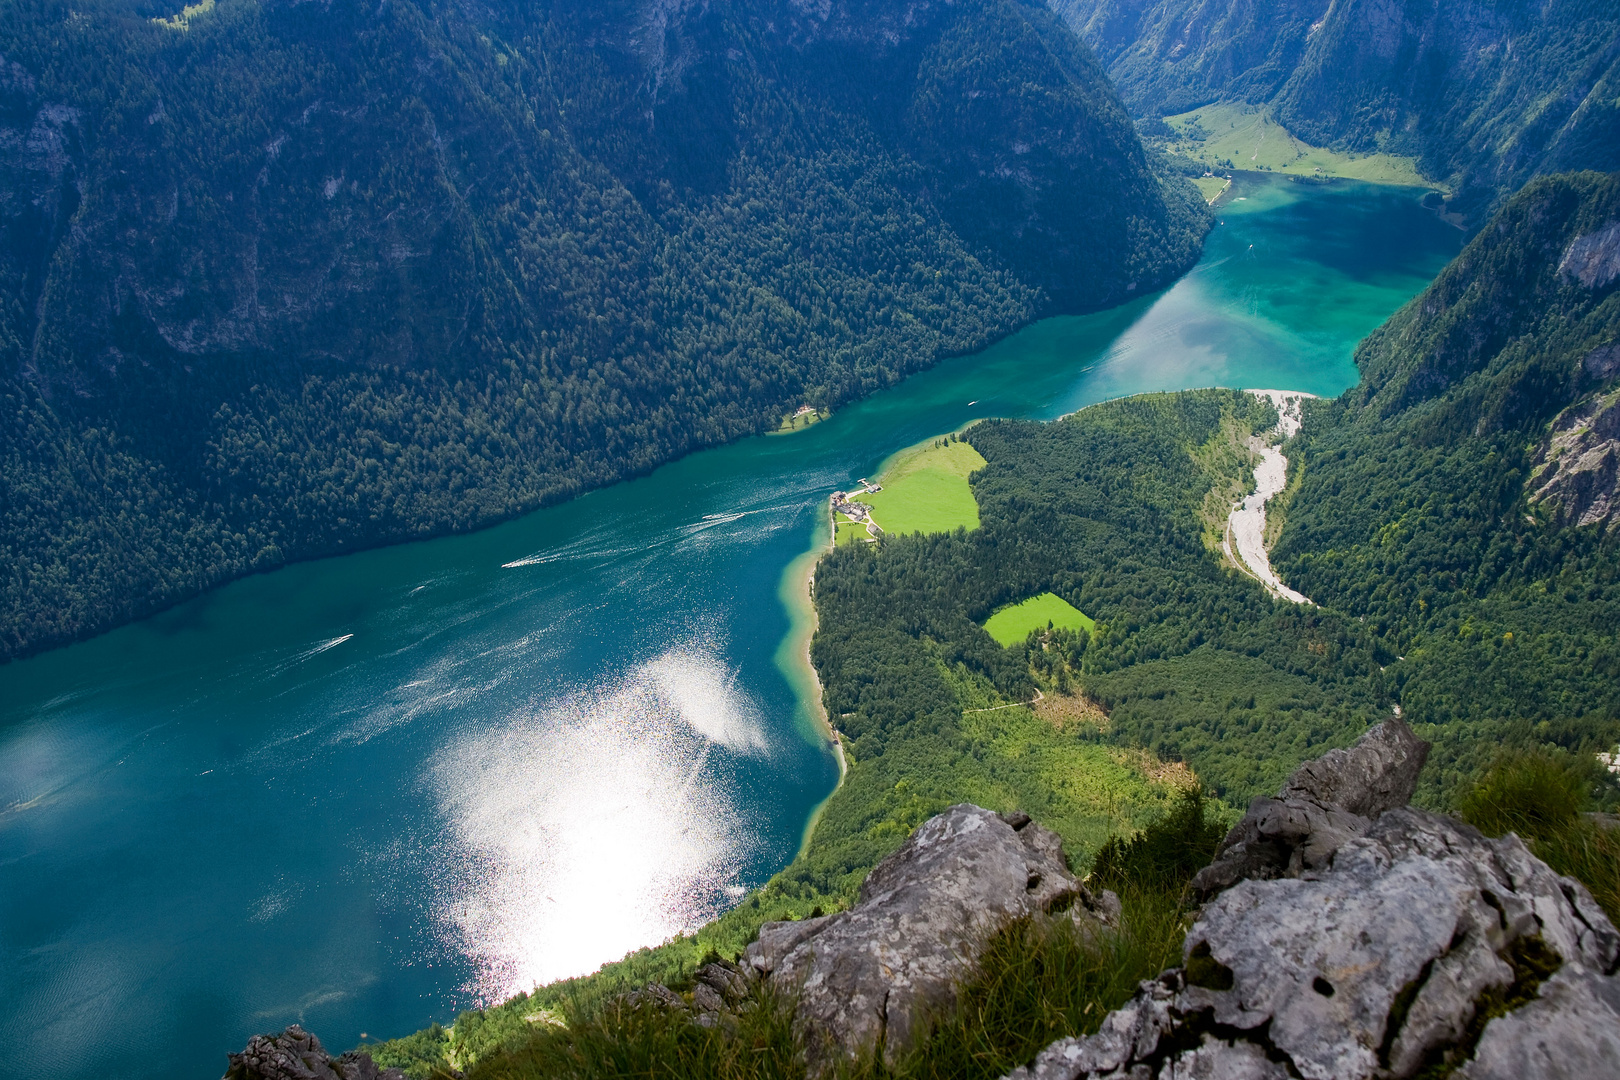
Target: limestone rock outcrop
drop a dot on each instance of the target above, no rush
(878, 970)
(1594, 259)
(295, 1054)
(1323, 804)
(1577, 470)
(1350, 939)
(719, 989)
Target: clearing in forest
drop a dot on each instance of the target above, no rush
(1012, 624)
(800, 419)
(1248, 137)
(925, 489)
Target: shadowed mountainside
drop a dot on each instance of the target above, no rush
(284, 280)
(1485, 95)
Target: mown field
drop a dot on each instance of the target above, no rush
(1013, 624)
(925, 489)
(849, 532)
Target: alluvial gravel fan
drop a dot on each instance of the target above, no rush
(280, 280)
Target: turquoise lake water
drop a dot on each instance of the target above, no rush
(368, 792)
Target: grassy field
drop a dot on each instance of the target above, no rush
(1209, 186)
(798, 421)
(1011, 625)
(849, 532)
(925, 489)
(1249, 138)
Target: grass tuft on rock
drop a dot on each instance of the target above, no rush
(1543, 797)
(1042, 979)
(650, 1042)
(1531, 793)
(1166, 854)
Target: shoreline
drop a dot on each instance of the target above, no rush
(793, 654)
(793, 658)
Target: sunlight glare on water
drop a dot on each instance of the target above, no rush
(595, 824)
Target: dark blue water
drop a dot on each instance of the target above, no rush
(365, 793)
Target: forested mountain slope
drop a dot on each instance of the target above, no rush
(279, 280)
(1485, 93)
(1463, 500)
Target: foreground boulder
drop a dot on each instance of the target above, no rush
(1324, 803)
(295, 1054)
(876, 972)
(1370, 950)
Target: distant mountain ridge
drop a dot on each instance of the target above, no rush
(282, 280)
(1484, 94)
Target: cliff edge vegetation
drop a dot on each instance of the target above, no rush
(1466, 573)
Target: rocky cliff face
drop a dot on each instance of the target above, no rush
(1577, 469)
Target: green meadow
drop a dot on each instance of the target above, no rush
(798, 421)
(1249, 138)
(925, 489)
(849, 532)
(1012, 624)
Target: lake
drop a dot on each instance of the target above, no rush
(368, 792)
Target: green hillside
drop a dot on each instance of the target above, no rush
(1421, 507)
(284, 280)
